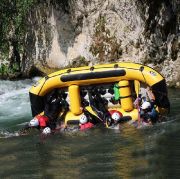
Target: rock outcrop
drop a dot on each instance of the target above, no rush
(82, 32)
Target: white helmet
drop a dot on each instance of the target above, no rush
(146, 105)
(46, 130)
(34, 122)
(83, 119)
(116, 116)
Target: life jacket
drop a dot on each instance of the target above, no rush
(85, 126)
(154, 115)
(42, 120)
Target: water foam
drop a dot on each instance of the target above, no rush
(14, 99)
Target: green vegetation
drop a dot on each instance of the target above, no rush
(5, 70)
(24, 27)
(13, 29)
(105, 46)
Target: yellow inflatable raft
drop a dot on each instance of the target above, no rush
(128, 76)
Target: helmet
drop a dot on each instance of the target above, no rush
(146, 105)
(46, 130)
(83, 119)
(116, 116)
(34, 122)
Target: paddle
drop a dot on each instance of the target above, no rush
(138, 99)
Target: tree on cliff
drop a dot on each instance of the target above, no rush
(12, 33)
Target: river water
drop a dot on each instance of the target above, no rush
(151, 152)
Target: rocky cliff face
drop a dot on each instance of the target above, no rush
(81, 32)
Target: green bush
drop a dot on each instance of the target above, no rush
(13, 29)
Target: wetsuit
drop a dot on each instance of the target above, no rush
(150, 115)
(98, 105)
(54, 105)
(65, 106)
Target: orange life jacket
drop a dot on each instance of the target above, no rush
(42, 120)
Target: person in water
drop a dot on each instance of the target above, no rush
(85, 123)
(53, 106)
(88, 120)
(146, 108)
(148, 113)
(38, 122)
(47, 122)
(99, 105)
(116, 116)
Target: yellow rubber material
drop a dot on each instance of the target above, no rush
(125, 94)
(137, 87)
(133, 72)
(75, 99)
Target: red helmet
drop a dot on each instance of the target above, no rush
(116, 115)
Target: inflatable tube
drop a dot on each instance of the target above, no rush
(97, 74)
(120, 73)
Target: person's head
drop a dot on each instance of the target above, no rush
(115, 115)
(146, 106)
(34, 122)
(83, 119)
(46, 131)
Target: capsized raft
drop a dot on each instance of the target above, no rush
(128, 76)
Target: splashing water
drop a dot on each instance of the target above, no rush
(14, 102)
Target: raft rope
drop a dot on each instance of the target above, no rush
(92, 68)
(46, 78)
(141, 70)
